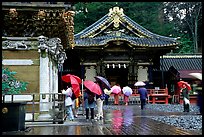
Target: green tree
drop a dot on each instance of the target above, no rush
(10, 85)
(187, 17)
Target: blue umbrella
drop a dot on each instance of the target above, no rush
(103, 80)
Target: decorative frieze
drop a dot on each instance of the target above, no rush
(53, 47)
(16, 45)
(34, 19)
(69, 23)
(45, 46)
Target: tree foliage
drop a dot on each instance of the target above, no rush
(10, 85)
(187, 19)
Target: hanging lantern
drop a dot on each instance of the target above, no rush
(124, 65)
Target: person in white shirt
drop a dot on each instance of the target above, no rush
(69, 102)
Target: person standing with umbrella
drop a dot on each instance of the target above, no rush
(103, 84)
(116, 89)
(99, 101)
(185, 94)
(143, 95)
(127, 91)
(91, 90)
(107, 95)
(69, 102)
(184, 90)
(89, 102)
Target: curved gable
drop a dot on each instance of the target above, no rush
(116, 26)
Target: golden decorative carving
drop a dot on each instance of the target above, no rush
(4, 110)
(69, 21)
(41, 14)
(13, 13)
(115, 13)
(115, 10)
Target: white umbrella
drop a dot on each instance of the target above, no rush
(196, 75)
(127, 91)
(139, 83)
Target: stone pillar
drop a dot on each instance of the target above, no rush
(51, 77)
(44, 78)
(44, 87)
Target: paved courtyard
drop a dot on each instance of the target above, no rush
(118, 120)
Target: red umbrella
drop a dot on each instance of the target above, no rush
(75, 81)
(67, 78)
(181, 83)
(115, 89)
(93, 87)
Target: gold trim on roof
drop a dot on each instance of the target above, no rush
(115, 10)
(115, 13)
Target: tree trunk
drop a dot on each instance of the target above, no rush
(196, 37)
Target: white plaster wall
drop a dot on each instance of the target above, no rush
(90, 73)
(142, 74)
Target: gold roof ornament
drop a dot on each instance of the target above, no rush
(115, 13)
(115, 10)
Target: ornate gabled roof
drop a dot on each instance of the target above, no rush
(116, 26)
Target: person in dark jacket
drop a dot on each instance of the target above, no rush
(89, 103)
(186, 101)
(143, 96)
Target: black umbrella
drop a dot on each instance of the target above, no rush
(103, 80)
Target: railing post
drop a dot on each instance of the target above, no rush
(33, 108)
(54, 117)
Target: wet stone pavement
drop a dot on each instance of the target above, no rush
(118, 120)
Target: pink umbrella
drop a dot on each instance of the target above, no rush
(115, 89)
(93, 87)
